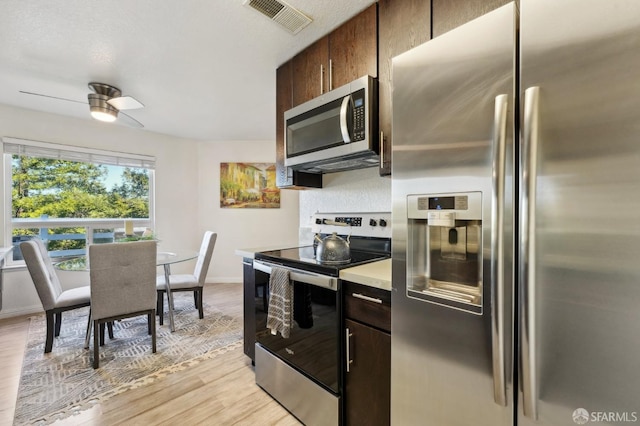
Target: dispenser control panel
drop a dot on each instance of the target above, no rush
(446, 207)
(460, 202)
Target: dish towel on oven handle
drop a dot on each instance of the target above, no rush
(280, 302)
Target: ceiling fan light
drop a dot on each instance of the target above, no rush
(103, 116)
(100, 109)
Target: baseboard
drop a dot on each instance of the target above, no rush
(37, 309)
(220, 280)
(27, 310)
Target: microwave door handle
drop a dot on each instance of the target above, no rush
(344, 122)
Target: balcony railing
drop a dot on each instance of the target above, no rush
(95, 231)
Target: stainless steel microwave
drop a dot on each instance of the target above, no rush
(336, 131)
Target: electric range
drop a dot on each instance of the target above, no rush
(303, 371)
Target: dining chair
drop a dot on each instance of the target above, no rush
(122, 286)
(189, 282)
(54, 300)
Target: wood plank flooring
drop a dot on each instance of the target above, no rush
(220, 391)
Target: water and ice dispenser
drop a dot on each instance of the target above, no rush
(444, 256)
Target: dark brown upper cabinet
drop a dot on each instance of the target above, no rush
(285, 176)
(347, 53)
(353, 49)
(310, 72)
(449, 14)
(402, 25)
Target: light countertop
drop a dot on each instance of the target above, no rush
(250, 252)
(374, 274)
(4, 251)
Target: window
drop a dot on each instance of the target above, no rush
(71, 197)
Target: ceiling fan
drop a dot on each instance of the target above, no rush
(105, 104)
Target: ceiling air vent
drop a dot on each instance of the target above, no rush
(289, 18)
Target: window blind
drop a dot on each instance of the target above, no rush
(73, 153)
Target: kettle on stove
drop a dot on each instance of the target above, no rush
(333, 249)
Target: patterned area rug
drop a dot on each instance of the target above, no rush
(61, 383)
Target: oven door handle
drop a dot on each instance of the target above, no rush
(299, 275)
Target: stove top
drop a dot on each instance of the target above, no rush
(369, 240)
(304, 258)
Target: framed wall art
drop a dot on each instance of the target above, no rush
(249, 186)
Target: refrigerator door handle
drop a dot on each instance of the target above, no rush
(497, 249)
(528, 252)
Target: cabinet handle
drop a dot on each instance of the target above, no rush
(330, 74)
(367, 298)
(381, 149)
(321, 79)
(349, 360)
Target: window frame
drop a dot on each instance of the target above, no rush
(70, 153)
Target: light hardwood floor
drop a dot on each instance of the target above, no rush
(221, 391)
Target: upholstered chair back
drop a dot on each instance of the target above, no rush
(204, 258)
(42, 272)
(123, 278)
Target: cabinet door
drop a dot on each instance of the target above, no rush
(402, 25)
(449, 14)
(283, 103)
(353, 49)
(368, 382)
(249, 289)
(285, 177)
(310, 73)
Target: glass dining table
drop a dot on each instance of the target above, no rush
(164, 259)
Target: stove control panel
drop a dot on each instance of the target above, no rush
(351, 221)
(339, 221)
(357, 224)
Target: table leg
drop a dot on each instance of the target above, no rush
(167, 272)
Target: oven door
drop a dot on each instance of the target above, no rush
(313, 347)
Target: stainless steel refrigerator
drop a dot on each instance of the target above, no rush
(516, 219)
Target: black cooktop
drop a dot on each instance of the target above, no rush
(304, 258)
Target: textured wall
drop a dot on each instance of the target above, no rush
(347, 192)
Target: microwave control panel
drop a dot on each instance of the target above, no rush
(359, 128)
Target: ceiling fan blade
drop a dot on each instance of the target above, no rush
(52, 97)
(128, 120)
(125, 102)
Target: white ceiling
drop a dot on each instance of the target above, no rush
(204, 69)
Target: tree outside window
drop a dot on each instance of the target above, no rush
(54, 188)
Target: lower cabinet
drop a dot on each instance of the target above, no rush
(255, 289)
(249, 308)
(367, 385)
